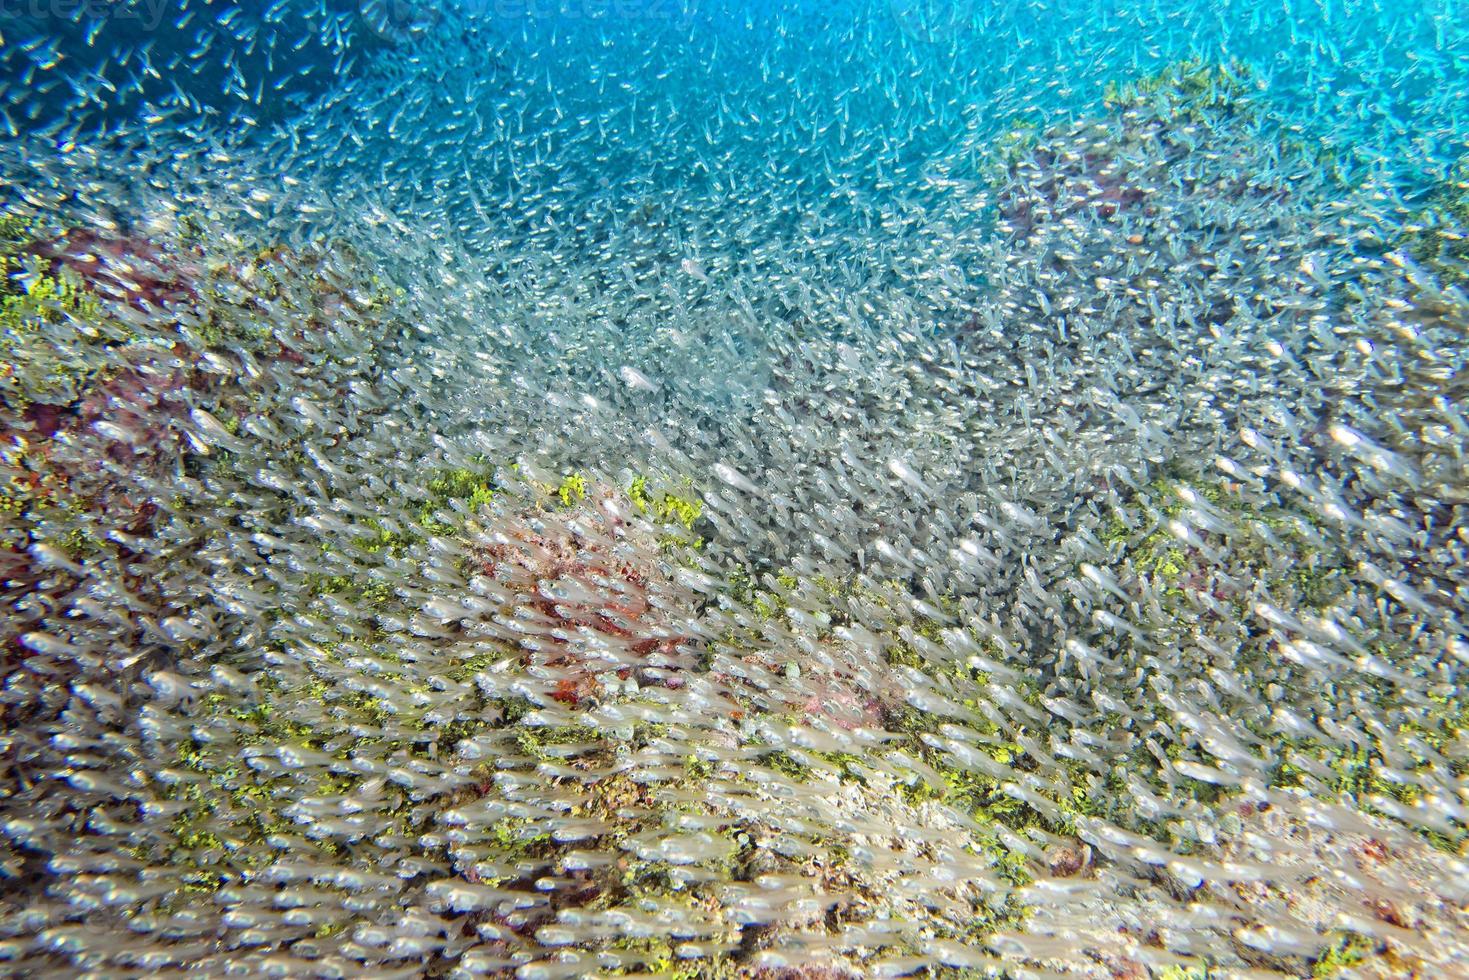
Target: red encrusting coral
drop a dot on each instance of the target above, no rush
(122, 266)
(586, 583)
(127, 421)
(1120, 178)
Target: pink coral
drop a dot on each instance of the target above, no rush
(124, 267)
(593, 599)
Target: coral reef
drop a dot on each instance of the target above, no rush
(378, 608)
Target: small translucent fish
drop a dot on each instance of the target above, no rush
(636, 379)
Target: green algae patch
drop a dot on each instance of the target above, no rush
(1348, 950)
(471, 487)
(36, 366)
(1192, 85)
(677, 507)
(1018, 139)
(573, 490)
(1437, 237)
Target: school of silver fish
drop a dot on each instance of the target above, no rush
(580, 488)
